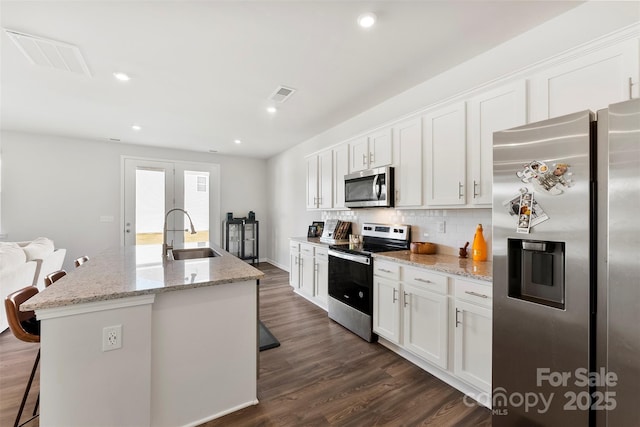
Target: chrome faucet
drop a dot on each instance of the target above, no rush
(165, 247)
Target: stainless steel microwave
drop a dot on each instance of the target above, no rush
(369, 188)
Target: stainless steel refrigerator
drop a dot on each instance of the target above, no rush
(566, 270)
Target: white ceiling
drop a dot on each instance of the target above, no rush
(202, 71)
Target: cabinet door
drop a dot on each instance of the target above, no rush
(380, 149)
(307, 275)
(499, 109)
(426, 324)
(592, 81)
(445, 146)
(340, 169)
(322, 277)
(472, 360)
(312, 182)
(294, 266)
(407, 148)
(359, 149)
(386, 309)
(325, 180)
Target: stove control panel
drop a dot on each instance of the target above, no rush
(387, 231)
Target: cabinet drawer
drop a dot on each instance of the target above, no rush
(474, 292)
(322, 254)
(307, 249)
(390, 270)
(425, 279)
(294, 246)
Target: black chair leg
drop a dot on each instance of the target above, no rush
(26, 391)
(35, 409)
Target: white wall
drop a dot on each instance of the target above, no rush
(286, 171)
(59, 187)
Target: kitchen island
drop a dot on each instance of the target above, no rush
(186, 332)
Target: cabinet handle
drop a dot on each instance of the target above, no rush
(475, 294)
(385, 270)
(457, 321)
(418, 279)
(296, 261)
(397, 195)
(395, 298)
(630, 88)
(371, 158)
(406, 299)
(475, 186)
(460, 195)
(364, 159)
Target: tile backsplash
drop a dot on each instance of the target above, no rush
(459, 224)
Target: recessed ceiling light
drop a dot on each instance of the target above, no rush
(272, 110)
(213, 151)
(366, 20)
(123, 77)
(136, 127)
(237, 141)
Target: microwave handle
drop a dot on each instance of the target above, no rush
(377, 188)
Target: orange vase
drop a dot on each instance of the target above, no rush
(479, 247)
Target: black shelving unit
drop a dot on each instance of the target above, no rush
(241, 238)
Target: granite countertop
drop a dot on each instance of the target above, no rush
(139, 270)
(313, 240)
(450, 264)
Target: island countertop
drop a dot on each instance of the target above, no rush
(139, 270)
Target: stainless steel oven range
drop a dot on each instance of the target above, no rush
(351, 276)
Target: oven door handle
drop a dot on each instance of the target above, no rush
(350, 257)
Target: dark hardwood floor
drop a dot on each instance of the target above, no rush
(320, 375)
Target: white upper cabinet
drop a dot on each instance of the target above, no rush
(489, 112)
(371, 151)
(325, 179)
(591, 81)
(407, 152)
(320, 180)
(445, 155)
(340, 169)
(312, 182)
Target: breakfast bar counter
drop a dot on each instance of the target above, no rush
(185, 344)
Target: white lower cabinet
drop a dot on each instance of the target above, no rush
(386, 309)
(294, 264)
(412, 310)
(473, 333)
(472, 361)
(425, 324)
(309, 275)
(321, 293)
(407, 311)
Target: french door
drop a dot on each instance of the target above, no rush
(152, 188)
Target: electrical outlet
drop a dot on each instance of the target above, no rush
(112, 338)
(442, 227)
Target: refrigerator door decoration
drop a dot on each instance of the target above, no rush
(537, 214)
(546, 179)
(524, 221)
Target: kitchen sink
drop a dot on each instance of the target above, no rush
(193, 253)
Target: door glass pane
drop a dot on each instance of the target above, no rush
(150, 204)
(196, 202)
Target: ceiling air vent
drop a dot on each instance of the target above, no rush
(282, 94)
(50, 53)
